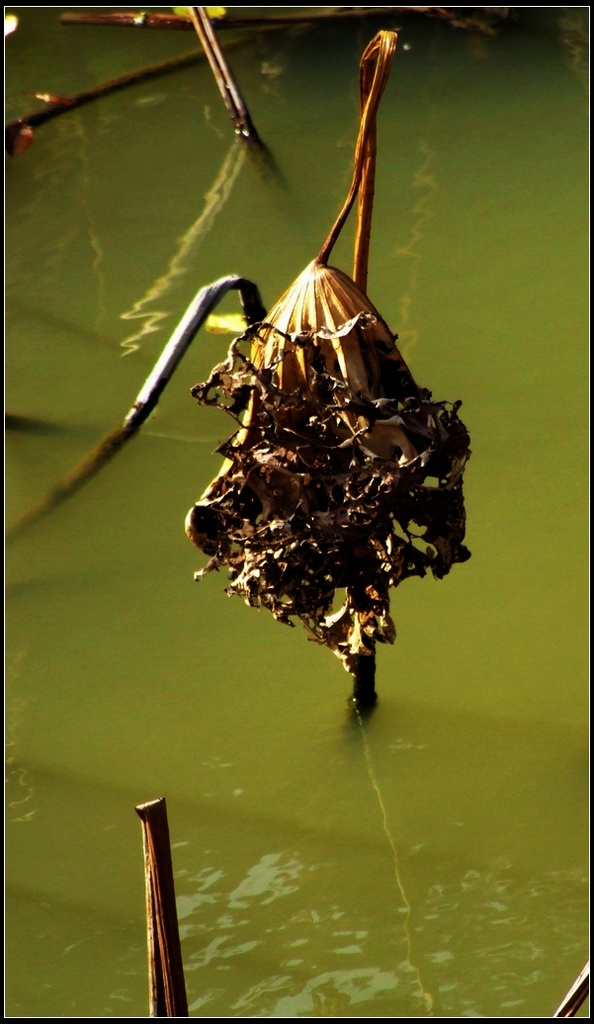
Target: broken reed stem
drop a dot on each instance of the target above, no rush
(228, 89)
(195, 315)
(578, 993)
(167, 990)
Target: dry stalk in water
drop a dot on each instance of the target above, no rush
(343, 477)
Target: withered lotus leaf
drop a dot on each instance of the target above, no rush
(343, 477)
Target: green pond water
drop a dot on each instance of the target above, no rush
(432, 858)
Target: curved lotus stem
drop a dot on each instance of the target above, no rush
(375, 67)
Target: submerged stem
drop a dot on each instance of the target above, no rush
(364, 695)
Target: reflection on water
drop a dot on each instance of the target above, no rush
(575, 37)
(297, 940)
(502, 950)
(475, 936)
(180, 262)
(431, 860)
(18, 793)
(424, 185)
(334, 993)
(269, 878)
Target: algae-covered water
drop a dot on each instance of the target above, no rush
(432, 858)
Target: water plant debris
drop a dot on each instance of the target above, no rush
(343, 477)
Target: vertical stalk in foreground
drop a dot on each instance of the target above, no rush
(167, 990)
